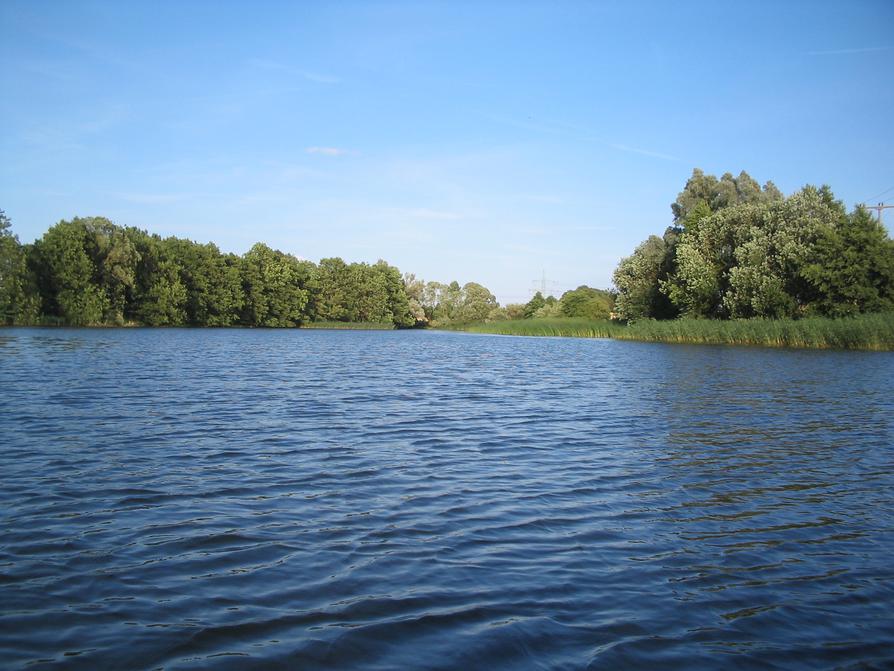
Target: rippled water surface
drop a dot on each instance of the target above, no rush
(230, 499)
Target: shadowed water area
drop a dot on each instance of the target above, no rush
(232, 499)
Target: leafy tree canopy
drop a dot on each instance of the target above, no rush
(739, 250)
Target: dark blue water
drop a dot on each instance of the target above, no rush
(240, 499)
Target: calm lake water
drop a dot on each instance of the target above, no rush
(232, 499)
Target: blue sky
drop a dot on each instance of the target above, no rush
(488, 142)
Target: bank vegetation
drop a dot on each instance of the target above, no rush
(863, 332)
(739, 263)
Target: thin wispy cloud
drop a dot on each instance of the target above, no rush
(586, 229)
(845, 52)
(56, 70)
(537, 251)
(51, 140)
(528, 123)
(425, 213)
(74, 134)
(328, 151)
(152, 198)
(541, 198)
(571, 131)
(316, 77)
(642, 152)
(319, 78)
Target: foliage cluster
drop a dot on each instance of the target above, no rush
(88, 271)
(583, 302)
(737, 250)
(442, 305)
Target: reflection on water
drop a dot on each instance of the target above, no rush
(308, 499)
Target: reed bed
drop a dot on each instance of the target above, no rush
(350, 326)
(575, 328)
(865, 332)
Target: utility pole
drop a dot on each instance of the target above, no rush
(545, 285)
(878, 208)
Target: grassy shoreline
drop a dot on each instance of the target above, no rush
(865, 332)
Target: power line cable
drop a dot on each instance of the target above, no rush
(880, 194)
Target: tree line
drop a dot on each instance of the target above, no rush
(89, 272)
(736, 249)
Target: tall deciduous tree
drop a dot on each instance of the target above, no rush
(716, 194)
(477, 303)
(19, 302)
(273, 294)
(534, 305)
(114, 259)
(165, 297)
(415, 290)
(67, 276)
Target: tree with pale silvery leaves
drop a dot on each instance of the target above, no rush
(716, 194)
(747, 260)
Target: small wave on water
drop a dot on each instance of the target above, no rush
(232, 499)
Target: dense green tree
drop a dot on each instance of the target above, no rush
(740, 250)
(637, 278)
(852, 267)
(213, 284)
(273, 294)
(587, 302)
(368, 297)
(308, 275)
(442, 302)
(89, 271)
(154, 267)
(550, 310)
(451, 301)
(431, 299)
(359, 292)
(694, 288)
(114, 259)
(746, 260)
(515, 311)
(335, 290)
(477, 303)
(19, 301)
(165, 299)
(694, 216)
(66, 275)
(398, 303)
(532, 306)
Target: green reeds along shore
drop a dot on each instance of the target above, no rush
(865, 332)
(350, 326)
